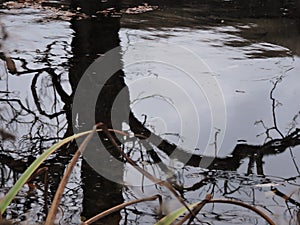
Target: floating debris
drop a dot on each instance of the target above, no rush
(62, 13)
(110, 12)
(139, 9)
(267, 185)
(21, 4)
(240, 91)
(56, 11)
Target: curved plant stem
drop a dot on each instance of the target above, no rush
(59, 192)
(209, 199)
(6, 200)
(121, 206)
(144, 172)
(242, 204)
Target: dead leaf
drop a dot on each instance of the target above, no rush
(7, 136)
(10, 64)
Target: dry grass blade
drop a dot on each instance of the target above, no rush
(121, 206)
(145, 173)
(13, 191)
(59, 192)
(6, 200)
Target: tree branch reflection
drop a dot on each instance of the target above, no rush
(255, 153)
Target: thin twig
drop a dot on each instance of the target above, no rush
(285, 197)
(121, 206)
(274, 105)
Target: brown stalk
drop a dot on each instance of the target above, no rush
(121, 206)
(242, 204)
(145, 173)
(58, 195)
(208, 199)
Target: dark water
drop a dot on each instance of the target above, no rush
(250, 48)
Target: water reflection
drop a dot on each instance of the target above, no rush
(99, 193)
(254, 56)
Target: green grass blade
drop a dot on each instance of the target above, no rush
(6, 200)
(171, 217)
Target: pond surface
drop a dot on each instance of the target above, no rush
(244, 114)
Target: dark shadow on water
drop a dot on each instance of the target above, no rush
(92, 38)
